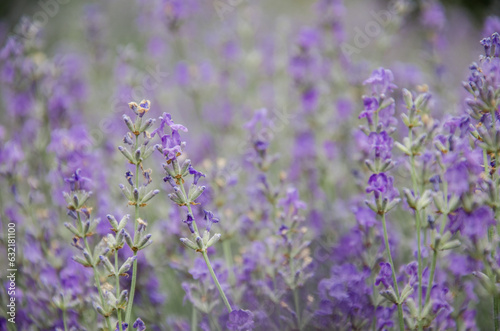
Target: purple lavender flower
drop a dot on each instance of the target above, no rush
(139, 325)
(370, 107)
(381, 144)
(292, 203)
(384, 276)
(240, 320)
(210, 219)
(381, 81)
(196, 174)
(378, 183)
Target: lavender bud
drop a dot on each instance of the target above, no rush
(111, 241)
(127, 154)
(485, 136)
(439, 202)
(127, 265)
(422, 100)
(180, 195)
(369, 164)
(86, 228)
(206, 236)
(76, 201)
(136, 194)
(215, 238)
(147, 125)
(138, 123)
(112, 221)
(123, 222)
(185, 167)
(147, 153)
(406, 120)
(403, 148)
(384, 204)
(175, 199)
(454, 203)
(121, 302)
(189, 244)
(138, 155)
(424, 200)
(107, 264)
(419, 142)
(76, 243)
(128, 240)
(431, 221)
(143, 241)
(437, 240)
(410, 199)
(371, 205)
(450, 245)
(126, 192)
(468, 87)
(120, 238)
(73, 229)
(134, 106)
(389, 295)
(127, 139)
(412, 307)
(170, 180)
(426, 310)
(110, 299)
(149, 242)
(408, 98)
(72, 214)
(80, 260)
(391, 205)
(129, 123)
(196, 193)
(150, 195)
(177, 168)
(88, 258)
(100, 310)
(200, 244)
(386, 166)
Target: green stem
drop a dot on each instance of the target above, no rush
(295, 293)
(96, 278)
(395, 282)
(435, 254)
(216, 281)
(297, 307)
(419, 257)
(128, 314)
(194, 319)
(64, 320)
(118, 312)
(205, 256)
(417, 221)
(496, 298)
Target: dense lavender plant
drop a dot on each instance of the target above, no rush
(138, 194)
(378, 111)
(82, 228)
(172, 148)
(483, 125)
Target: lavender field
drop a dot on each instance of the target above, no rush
(250, 165)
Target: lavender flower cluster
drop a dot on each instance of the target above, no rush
(325, 177)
